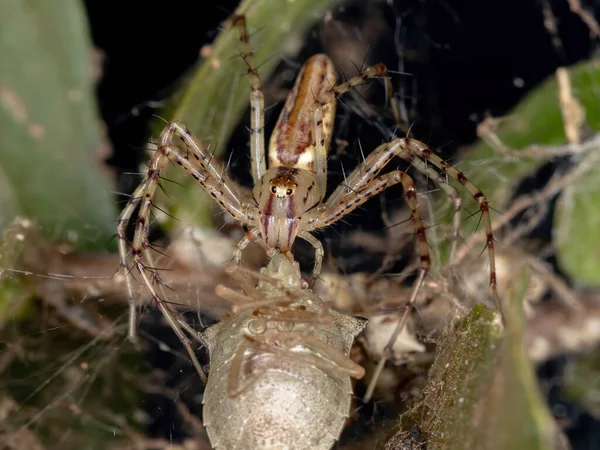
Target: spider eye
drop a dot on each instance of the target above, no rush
(273, 189)
(289, 192)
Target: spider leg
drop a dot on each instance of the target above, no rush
(357, 198)
(326, 357)
(162, 306)
(328, 214)
(244, 277)
(252, 235)
(236, 383)
(320, 139)
(124, 219)
(252, 297)
(141, 253)
(321, 145)
(242, 302)
(419, 155)
(364, 183)
(257, 104)
(319, 253)
(209, 177)
(210, 172)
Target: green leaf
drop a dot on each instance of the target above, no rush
(15, 287)
(537, 120)
(52, 143)
(577, 222)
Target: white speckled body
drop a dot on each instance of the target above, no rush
(294, 401)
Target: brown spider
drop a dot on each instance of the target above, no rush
(288, 198)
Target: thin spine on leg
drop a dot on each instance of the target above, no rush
(257, 104)
(422, 151)
(418, 154)
(209, 168)
(124, 219)
(140, 251)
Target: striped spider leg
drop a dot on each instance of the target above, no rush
(365, 182)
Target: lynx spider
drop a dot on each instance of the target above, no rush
(287, 200)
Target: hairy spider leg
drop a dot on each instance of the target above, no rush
(141, 252)
(257, 104)
(364, 183)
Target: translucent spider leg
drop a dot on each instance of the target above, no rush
(257, 104)
(325, 357)
(140, 250)
(124, 218)
(196, 162)
(281, 345)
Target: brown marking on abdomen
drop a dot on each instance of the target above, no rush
(291, 141)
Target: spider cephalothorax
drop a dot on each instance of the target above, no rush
(283, 204)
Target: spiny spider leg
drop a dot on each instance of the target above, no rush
(224, 191)
(201, 169)
(141, 256)
(363, 183)
(377, 71)
(122, 223)
(257, 104)
(163, 307)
